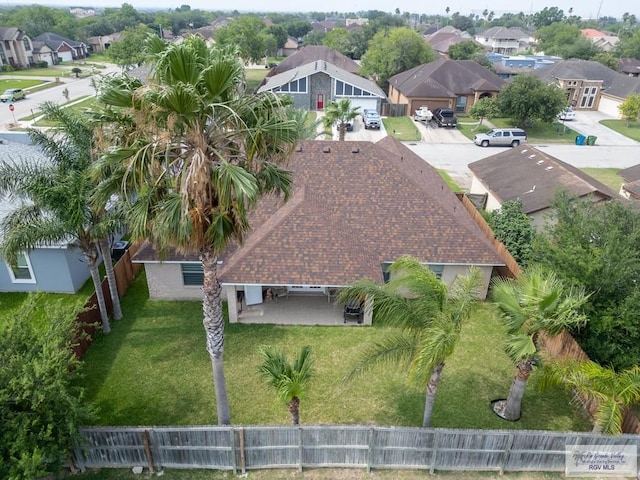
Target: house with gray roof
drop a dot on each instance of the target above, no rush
(314, 85)
(589, 85)
(455, 84)
(65, 49)
(509, 41)
(312, 53)
(16, 48)
(527, 174)
(442, 39)
(355, 207)
(629, 66)
(56, 267)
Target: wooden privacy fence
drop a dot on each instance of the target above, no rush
(367, 447)
(125, 271)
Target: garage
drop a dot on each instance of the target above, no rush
(364, 103)
(609, 106)
(65, 56)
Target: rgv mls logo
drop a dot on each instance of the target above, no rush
(601, 460)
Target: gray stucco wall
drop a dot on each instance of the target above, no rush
(319, 83)
(164, 281)
(59, 270)
(450, 272)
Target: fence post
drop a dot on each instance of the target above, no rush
(147, 451)
(300, 448)
(371, 441)
(507, 452)
(243, 461)
(434, 453)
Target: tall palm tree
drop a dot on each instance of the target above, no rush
(193, 154)
(55, 204)
(534, 303)
(611, 391)
(429, 316)
(289, 380)
(339, 113)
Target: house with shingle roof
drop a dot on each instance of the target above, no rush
(314, 85)
(442, 39)
(311, 53)
(630, 187)
(65, 49)
(455, 84)
(527, 174)
(355, 207)
(590, 85)
(629, 66)
(505, 40)
(16, 48)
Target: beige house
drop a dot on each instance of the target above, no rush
(16, 48)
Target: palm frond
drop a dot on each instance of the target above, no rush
(396, 348)
(520, 347)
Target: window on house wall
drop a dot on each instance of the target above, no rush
(22, 272)
(27, 45)
(588, 97)
(461, 104)
(437, 269)
(345, 90)
(296, 86)
(7, 45)
(192, 274)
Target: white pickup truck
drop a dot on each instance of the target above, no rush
(423, 114)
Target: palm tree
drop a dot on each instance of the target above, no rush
(339, 113)
(429, 316)
(55, 198)
(193, 154)
(611, 391)
(289, 380)
(536, 302)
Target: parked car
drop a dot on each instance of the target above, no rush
(567, 114)
(372, 120)
(507, 137)
(367, 111)
(12, 95)
(348, 126)
(445, 117)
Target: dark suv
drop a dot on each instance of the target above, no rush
(445, 117)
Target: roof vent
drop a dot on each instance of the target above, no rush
(524, 151)
(326, 149)
(549, 168)
(540, 162)
(355, 150)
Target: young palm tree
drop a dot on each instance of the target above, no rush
(611, 391)
(339, 113)
(193, 154)
(289, 380)
(536, 302)
(55, 201)
(429, 317)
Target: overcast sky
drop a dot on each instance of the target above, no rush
(582, 8)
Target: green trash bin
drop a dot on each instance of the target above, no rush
(591, 140)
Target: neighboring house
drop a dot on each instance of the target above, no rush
(456, 84)
(629, 67)
(49, 268)
(315, 84)
(525, 173)
(505, 40)
(82, 12)
(312, 53)
(507, 66)
(630, 187)
(361, 22)
(441, 40)
(589, 85)
(16, 48)
(355, 208)
(291, 46)
(65, 49)
(102, 43)
(604, 41)
(327, 25)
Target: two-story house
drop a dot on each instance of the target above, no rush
(16, 48)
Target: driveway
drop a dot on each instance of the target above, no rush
(587, 123)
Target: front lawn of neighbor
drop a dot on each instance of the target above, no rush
(37, 72)
(608, 176)
(402, 128)
(6, 83)
(254, 77)
(153, 369)
(632, 130)
(539, 133)
(77, 104)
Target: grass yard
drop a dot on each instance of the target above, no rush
(6, 83)
(77, 105)
(254, 77)
(608, 176)
(37, 72)
(548, 133)
(449, 181)
(402, 128)
(153, 369)
(631, 130)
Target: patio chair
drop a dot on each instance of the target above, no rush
(353, 311)
(278, 292)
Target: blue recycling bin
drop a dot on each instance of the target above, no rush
(580, 140)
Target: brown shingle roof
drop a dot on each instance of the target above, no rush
(527, 174)
(310, 54)
(355, 205)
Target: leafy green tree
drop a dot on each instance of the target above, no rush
(193, 154)
(629, 45)
(289, 380)
(607, 59)
(244, 33)
(513, 228)
(41, 405)
(56, 206)
(429, 316)
(339, 113)
(486, 107)
(461, 22)
(547, 16)
(279, 32)
(595, 247)
(127, 51)
(314, 37)
(611, 391)
(298, 28)
(630, 108)
(394, 51)
(534, 303)
(528, 99)
(465, 50)
(339, 40)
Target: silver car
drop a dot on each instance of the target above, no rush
(506, 137)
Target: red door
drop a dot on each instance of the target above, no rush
(320, 101)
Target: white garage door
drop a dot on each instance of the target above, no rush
(65, 56)
(364, 103)
(609, 106)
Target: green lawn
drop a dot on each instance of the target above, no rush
(153, 369)
(37, 72)
(628, 129)
(548, 133)
(254, 77)
(6, 83)
(608, 176)
(402, 128)
(80, 105)
(449, 181)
